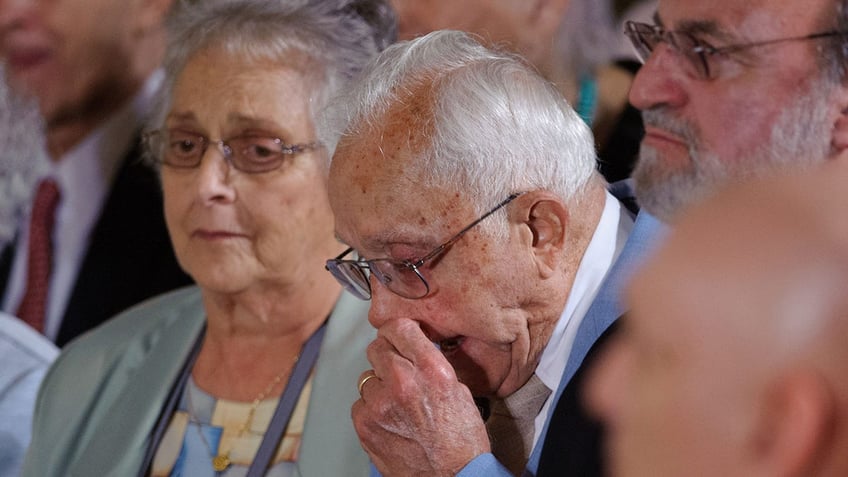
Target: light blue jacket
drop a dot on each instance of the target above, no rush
(102, 398)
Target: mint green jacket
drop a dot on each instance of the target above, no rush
(101, 398)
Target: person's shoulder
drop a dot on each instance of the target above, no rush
(146, 321)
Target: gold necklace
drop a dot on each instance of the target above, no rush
(221, 460)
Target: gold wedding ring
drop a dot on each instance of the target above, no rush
(364, 380)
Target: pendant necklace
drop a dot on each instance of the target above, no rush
(221, 460)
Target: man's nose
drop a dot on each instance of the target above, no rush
(661, 82)
(213, 178)
(385, 304)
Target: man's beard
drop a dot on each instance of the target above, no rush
(800, 138)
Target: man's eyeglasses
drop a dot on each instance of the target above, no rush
(253, 154)
(697, 53)
(402, 277)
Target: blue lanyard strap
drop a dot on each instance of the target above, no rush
(279, 421)
(285, 408)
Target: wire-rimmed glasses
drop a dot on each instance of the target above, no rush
(253, 154)
(402, 277)
(646, 37)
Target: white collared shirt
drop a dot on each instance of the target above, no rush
(84, 176)
(607, 242)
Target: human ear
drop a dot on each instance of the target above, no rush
(795, 427)
(546, 217)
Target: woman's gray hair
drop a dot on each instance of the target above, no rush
(329, 41)
(491, 126)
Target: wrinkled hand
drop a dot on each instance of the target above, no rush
(416, 419)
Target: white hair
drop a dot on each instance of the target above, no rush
(329, 41)
(23, 157)
(491, 127)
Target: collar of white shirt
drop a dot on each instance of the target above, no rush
(604, 248)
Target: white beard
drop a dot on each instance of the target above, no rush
(800, 138)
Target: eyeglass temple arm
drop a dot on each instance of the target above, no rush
(459, 234)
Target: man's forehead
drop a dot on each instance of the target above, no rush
(374, 225)
(751, 20)
(367, 169)
(386, 147)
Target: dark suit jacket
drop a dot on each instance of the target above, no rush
(129, 256)
(573, 443)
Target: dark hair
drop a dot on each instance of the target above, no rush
(834, 58)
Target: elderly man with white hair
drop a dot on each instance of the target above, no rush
(479, 229)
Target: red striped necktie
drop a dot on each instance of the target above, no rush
(33, 307)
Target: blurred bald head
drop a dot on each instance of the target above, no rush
(734, 359)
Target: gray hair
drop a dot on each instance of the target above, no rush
(23, 157)
(329, 41)
(492, 126)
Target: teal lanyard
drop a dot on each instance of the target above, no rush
(587, 98)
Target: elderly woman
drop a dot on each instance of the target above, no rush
(252, 372)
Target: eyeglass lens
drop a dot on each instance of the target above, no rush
(645, 39)
(252, 154)
(352, 277)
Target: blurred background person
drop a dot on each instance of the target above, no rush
(95, 241)
(733, 361)
(572, 43)
(227, 377)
